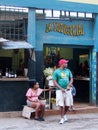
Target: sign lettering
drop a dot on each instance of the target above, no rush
(72, 30)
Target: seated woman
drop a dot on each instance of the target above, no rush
(32, 99)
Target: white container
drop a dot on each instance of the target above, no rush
(25, 72)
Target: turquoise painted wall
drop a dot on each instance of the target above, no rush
(60, 38)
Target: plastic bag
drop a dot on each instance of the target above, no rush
(73, 91)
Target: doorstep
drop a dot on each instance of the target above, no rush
(79, 109)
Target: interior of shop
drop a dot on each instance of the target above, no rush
(78, 63)
(12, 61)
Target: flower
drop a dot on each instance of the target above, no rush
(48, 72)
(53, 100)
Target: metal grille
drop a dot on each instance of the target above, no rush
(13, 23)
(13, 20)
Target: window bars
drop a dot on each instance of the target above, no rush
(13, 20)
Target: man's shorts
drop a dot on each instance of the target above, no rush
(64, 99)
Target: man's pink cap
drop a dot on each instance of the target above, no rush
(62, 61)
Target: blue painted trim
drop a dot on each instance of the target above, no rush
(31, 27)
(52, 4)
(93, 77)
(96, 32)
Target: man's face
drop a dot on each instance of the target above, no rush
(65, 65)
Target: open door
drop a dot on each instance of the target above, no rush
(78, 63)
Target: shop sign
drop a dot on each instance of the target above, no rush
(71, 30)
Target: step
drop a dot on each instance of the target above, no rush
(79, 109)
(83, 110)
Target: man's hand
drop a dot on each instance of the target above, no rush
(68, 87)
(63, 90)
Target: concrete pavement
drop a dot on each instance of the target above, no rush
(75, 122)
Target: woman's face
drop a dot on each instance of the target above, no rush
(36, 86)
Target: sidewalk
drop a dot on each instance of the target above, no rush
(75, 122)
(85, 117)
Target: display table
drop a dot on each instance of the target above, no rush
(49, 83)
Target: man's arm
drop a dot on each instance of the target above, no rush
(70, 84)
(58, 86)
(71, 81)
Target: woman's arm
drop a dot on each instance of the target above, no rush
(48, 89)
(28, 98)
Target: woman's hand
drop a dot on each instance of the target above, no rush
(50, 88)
(35, 100)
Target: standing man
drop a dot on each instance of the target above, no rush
(63, 79)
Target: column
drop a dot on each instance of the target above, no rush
(94, 64)
(32, 40)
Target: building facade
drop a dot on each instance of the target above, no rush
(68, 32)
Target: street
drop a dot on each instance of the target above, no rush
(75, 122)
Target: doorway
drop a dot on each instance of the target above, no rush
(79, 64)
